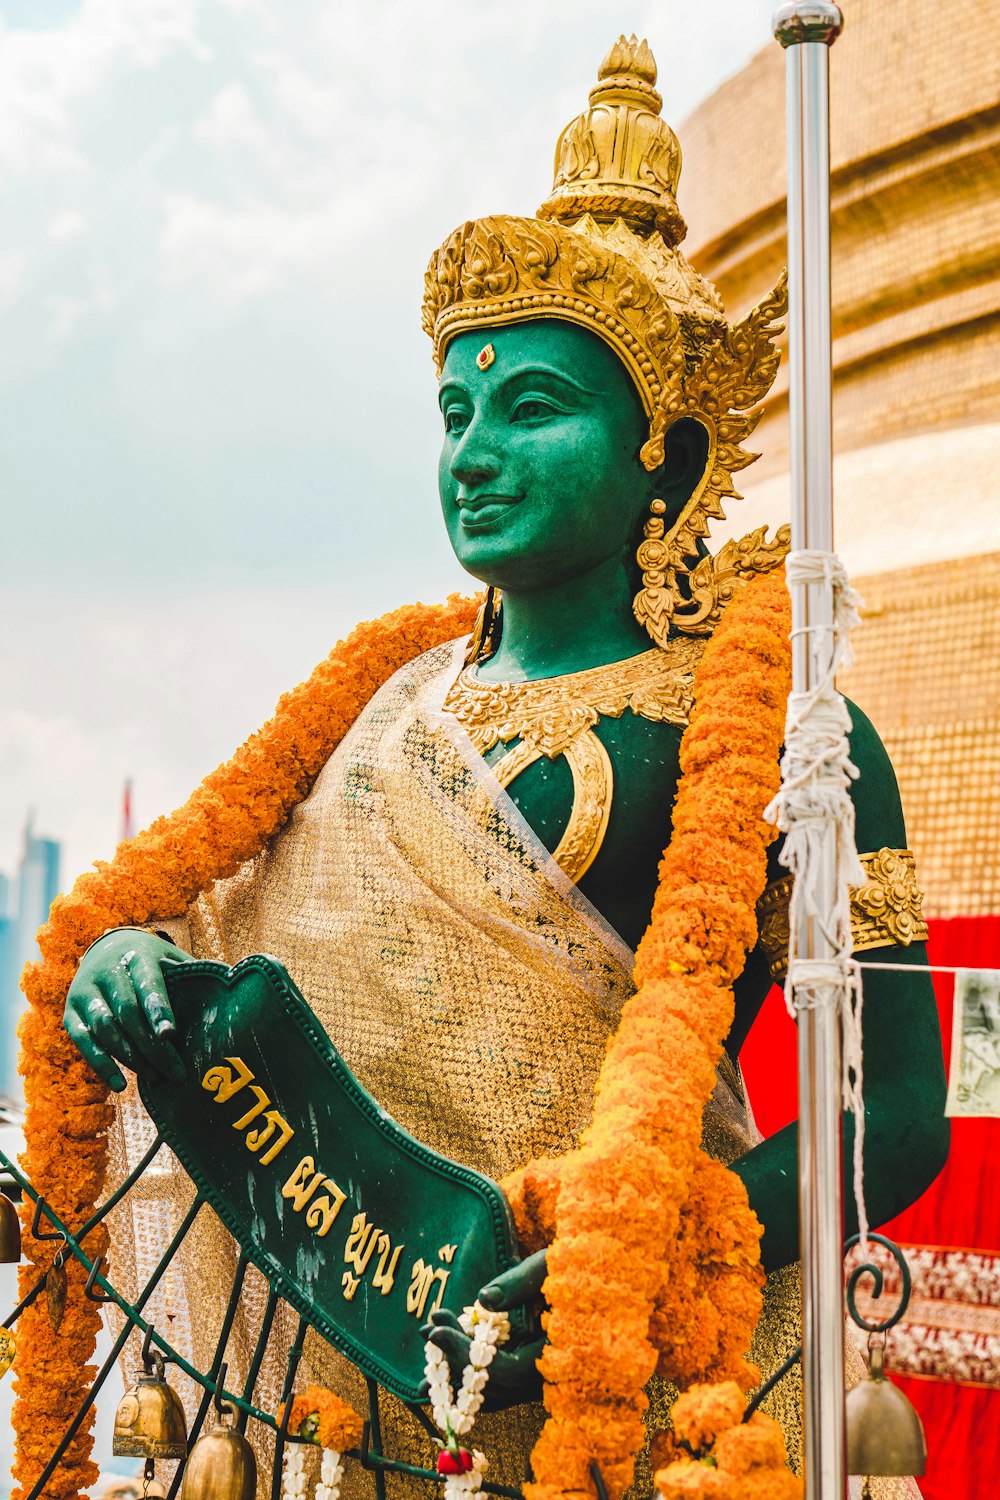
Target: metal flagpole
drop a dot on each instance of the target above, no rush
(806, 29)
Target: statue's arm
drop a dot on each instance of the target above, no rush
(906, 1133)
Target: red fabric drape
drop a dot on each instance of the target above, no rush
(952, 1237)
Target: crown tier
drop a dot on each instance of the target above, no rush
(619, 159)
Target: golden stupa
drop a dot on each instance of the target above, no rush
(915, 201)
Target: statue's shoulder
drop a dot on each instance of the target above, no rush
(878, 809)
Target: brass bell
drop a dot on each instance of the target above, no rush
(10, 1233)
(150, 1422)
(221, 1466)
(884, 1434)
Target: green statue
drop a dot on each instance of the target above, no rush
(460, 894)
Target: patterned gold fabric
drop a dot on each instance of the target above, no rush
(884, 911)
(464, 979)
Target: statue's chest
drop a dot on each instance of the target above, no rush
(591, 761)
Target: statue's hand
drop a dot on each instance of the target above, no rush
(117, 1007)
(514, 1376)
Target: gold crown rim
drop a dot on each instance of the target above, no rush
(501, 311)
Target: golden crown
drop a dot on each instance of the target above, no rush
(603, 252)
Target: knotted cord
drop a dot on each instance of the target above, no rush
(814, 800)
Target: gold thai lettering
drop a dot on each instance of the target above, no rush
(255, 1109)
(224, 1082)
(323, 1210)
(363, 1242)
(360, 1243)
(447, 1252)
(260, 1137)
(301, 1188)
(385, 1273)
(422, 1279)
(302, 1184)
(314, 1195)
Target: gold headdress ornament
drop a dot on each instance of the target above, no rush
(603, 253)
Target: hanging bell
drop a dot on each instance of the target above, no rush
(884, 1433)
(221, 1466)
(149, 1422)
(10, 1233)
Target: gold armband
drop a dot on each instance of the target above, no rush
(885, 910)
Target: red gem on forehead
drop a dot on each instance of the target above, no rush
(485, 357)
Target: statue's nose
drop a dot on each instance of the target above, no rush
(474, 462)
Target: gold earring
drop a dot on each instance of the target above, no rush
(654, 604)
(709, 582)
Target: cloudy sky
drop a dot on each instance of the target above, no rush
(218, 428)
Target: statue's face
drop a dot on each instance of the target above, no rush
(540, 476)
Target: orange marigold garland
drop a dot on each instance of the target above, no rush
(226, 821)
(646, 1229)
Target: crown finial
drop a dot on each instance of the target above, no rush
(629, 68)
(619, 159)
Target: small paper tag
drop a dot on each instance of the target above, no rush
(974, 1080)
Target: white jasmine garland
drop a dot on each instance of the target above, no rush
(331, 1472)
(293, 1473)
(454, 1416)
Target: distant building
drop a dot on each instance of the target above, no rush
(24, 906)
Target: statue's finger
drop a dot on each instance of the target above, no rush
(94, 1054)
(147, 977)
(103, 1027)
(123, 1002)
(442, 1318)
(515, 1287)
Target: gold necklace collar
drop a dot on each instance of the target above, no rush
(555, 716)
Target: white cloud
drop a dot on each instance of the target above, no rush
(12, 269)
(68, 225)
(239, 253)
(231, 121)
(46, 75)
(63, 315)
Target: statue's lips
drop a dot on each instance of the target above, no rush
(485, 511)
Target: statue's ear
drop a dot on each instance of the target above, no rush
(686, 446)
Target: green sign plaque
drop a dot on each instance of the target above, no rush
(360, 1227)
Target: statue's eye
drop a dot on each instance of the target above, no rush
(531, 410)
(455, 420)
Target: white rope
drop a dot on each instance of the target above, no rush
(815, 800)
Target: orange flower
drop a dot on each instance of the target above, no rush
(689, 1480)
(332, 1422)
(703, 1412)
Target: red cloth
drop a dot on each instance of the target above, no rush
(959, 1212)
